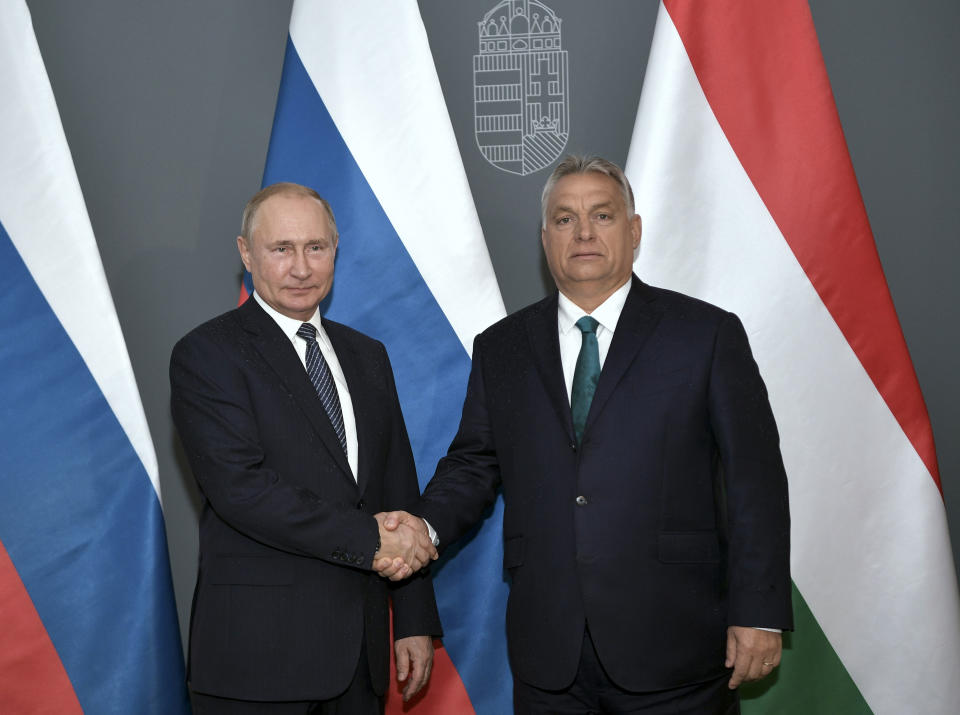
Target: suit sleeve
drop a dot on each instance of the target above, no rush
(467, 478)
(414, 605)
(212, 411)
(755, 483)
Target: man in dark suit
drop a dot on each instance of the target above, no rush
(646, 526)
(294, 433)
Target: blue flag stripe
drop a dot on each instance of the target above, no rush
(79, 515)
(379, 291)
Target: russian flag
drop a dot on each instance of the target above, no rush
(749, 201)
(361, 118)
(87, 618)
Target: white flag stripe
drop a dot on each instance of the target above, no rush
(870, 549)
(343, 45)
(42, 209)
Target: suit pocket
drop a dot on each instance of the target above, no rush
(513, 552)
(688, 547)
(250, 571)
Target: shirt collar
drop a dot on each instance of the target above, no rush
(289, 325)
(607, 313)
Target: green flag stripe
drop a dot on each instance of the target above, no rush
(811, 678)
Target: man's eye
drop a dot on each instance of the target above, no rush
(603, 217)
(280, 249)
(563, 220)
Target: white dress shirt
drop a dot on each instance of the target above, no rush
(607, 314)
(290, 326)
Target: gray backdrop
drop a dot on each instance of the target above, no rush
(168, 108)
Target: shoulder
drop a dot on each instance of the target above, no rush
(221, 330)
(682, 307)
(344, 335)
(506, 329)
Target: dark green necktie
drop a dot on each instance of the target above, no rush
(586, 375)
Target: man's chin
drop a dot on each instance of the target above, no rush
(299, 308)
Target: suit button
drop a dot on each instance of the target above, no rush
(573, 446)
(336, 554)
(361, 504)
(581, 501)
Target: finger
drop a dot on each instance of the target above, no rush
(731, 650)
(403, 661)
(391, 568)
(769, 663)
(420, 559)
(740, 670)
(402, 573)
(755, 670)
(392, 521)
(416, 680)
(429, 550)
(414, 522)
(381, 565)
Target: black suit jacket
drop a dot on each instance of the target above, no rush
(285, 594)
(668, 524)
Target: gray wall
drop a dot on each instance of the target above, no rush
(168, 107)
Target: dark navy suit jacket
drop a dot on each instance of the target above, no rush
(285, 595)
(667, 524)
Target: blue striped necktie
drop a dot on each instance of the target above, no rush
(322, 380)
(585, 375)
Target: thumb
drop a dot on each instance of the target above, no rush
(391, 522)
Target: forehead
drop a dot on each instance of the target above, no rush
(290, 216)
(591, 188)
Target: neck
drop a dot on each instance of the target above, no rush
(587, 300)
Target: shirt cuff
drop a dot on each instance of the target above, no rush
(431, 532)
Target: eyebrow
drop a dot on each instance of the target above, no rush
(291, 242)
(608, 205)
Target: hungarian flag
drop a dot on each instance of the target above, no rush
(749, 201)
(87, 618)
(361, 118)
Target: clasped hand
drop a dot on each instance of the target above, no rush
(405, 545)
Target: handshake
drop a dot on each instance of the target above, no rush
(405, 545)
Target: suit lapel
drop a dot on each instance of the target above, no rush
(545, 344)
(638, 320)
(278, 353)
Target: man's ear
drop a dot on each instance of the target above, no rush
(244, 251)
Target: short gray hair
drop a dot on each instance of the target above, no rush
(575, 164)
(283, 187)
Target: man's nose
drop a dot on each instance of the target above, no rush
(301, 266)
(584, 229)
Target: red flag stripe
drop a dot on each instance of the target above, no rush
(443, 694)
(33, 678)
(760, 67)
